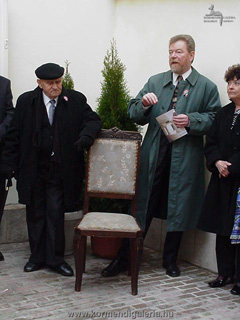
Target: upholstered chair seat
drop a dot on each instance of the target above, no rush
(105, 221)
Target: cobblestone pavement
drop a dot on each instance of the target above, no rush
(47, 295)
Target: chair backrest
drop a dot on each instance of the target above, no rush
(112, 165)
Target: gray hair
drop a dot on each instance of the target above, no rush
(185, 37)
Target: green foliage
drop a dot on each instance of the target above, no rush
(114, 98)
(109, 205)
(112, 109)
(67, 79)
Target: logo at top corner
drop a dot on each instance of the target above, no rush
(215, 16)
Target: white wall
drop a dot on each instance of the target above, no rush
(43, 31)
(3, 38)
(143, 29)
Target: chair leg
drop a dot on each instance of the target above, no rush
(84, 256)
(130, 258)
(79, 255)
(136, 255)
(129, 264)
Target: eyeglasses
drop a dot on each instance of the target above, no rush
(176, 53)
(235, 82)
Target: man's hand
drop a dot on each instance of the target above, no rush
(149, 99)
(84, 142)
(222, 167)
(181, 120)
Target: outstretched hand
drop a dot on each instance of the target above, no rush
(149, 99)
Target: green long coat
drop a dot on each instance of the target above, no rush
(198, 98)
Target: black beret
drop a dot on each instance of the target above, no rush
(49, 71)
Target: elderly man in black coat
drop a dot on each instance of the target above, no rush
(44, 149)
(6, 113)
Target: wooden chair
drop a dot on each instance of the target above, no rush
(112, 170)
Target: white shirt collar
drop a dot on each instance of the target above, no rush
(46, 99)
(185, 75)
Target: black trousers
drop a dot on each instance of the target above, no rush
(158, 204)
(45, 219)
(2, 193)
(228, 257)
(171, 247)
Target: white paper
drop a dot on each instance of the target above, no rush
(171, 131)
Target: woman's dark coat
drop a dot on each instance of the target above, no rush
(75, 118)
(222, 143)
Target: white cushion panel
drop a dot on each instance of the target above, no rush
(112, 166)
(105, 221)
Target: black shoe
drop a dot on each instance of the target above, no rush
(220, 282)
(30, 266)
(114, 268)
(1, 256)
(172, 269)
(64, 269)
(235, 290)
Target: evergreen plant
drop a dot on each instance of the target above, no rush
(67, 79)
(114, 98)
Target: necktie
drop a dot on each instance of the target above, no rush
(175, 93)
(51, 111)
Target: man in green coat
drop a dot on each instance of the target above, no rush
(171, 180)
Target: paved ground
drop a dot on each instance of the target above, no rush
(47, 295)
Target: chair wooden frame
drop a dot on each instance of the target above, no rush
(136, 238)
